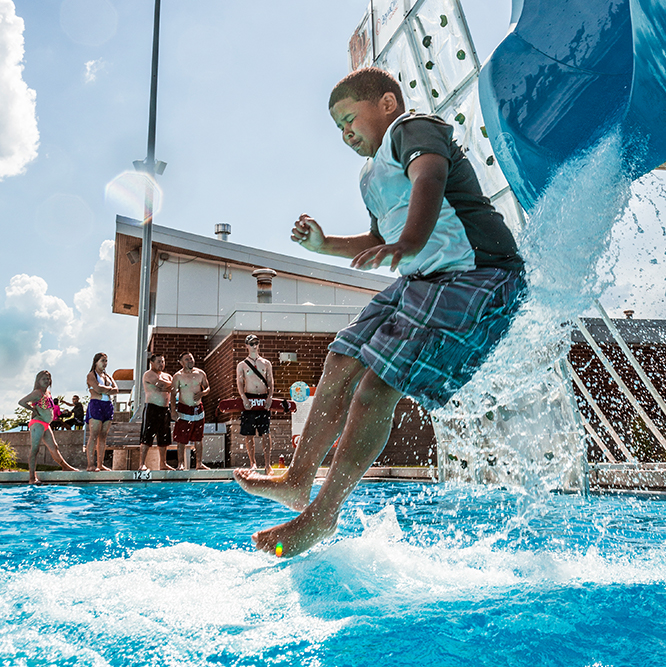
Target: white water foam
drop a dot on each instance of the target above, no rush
(183, 604)
(513, 424)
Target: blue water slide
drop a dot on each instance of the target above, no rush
(569, 72)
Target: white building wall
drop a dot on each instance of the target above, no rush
(195, 293)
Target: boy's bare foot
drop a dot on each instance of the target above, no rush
(143, 467)
(182, 465)
(34, 481)
(201, 466)
(103, 468)
(296, 535)
(65, 466)
(166, 465)
(92, 468)
(274, 487)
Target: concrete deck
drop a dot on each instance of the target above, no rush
(216, 475)
(632, 478)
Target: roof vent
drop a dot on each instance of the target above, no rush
(264, 284)
(222, 230)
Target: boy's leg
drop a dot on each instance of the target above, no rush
(365, 434)
(327, 415)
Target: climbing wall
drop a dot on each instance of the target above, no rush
(427, 46)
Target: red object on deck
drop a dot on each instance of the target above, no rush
(236, 405)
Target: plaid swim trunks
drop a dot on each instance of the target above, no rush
(427, 337)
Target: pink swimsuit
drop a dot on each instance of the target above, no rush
(46, 403)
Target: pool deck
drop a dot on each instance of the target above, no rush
(628, 478)
(392, 474)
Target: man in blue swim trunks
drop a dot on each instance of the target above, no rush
(425, 335)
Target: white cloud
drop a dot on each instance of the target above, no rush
(19, 136)
(40, 330)
(92, 67)
(638, 278)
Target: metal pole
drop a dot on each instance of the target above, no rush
(147, 239)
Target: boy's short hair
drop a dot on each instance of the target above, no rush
(367, 83)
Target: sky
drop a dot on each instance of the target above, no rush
(244, 128)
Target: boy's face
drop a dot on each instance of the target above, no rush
(364, 123)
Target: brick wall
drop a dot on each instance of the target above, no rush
(614, 405)
(172, 345)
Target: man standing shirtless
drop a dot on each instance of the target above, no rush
(254, 379)
(156, 414)
(190, 384)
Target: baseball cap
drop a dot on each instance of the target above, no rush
(251, 339)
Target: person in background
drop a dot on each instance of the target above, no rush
(190, 385)
(100, 410)
(77, 412)
(156, 422)
(254, 380)
(41, 404)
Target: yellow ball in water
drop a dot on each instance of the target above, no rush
(278, 549)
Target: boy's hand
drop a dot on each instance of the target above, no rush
(382, 255)
(308, 233)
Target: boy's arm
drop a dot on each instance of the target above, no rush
(310, 235)
(428, 174)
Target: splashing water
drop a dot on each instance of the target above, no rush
(513, 423)
(161, 574)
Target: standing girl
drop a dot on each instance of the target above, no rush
(100, 409)
(40, 403)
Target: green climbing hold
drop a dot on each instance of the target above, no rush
(412, 84)
(460, 118)
(399, 79)
(443, 21)
(484, 132)
(427, 41)
(460, 55)
(435, 93)
(430, 64)
(490, 161)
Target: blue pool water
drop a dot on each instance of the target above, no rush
(165, 574)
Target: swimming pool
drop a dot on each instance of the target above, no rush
(164, 574)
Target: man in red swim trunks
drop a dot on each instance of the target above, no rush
(190, 385)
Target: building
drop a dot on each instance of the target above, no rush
(207, 294)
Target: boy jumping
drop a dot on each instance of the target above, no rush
(425, 335)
